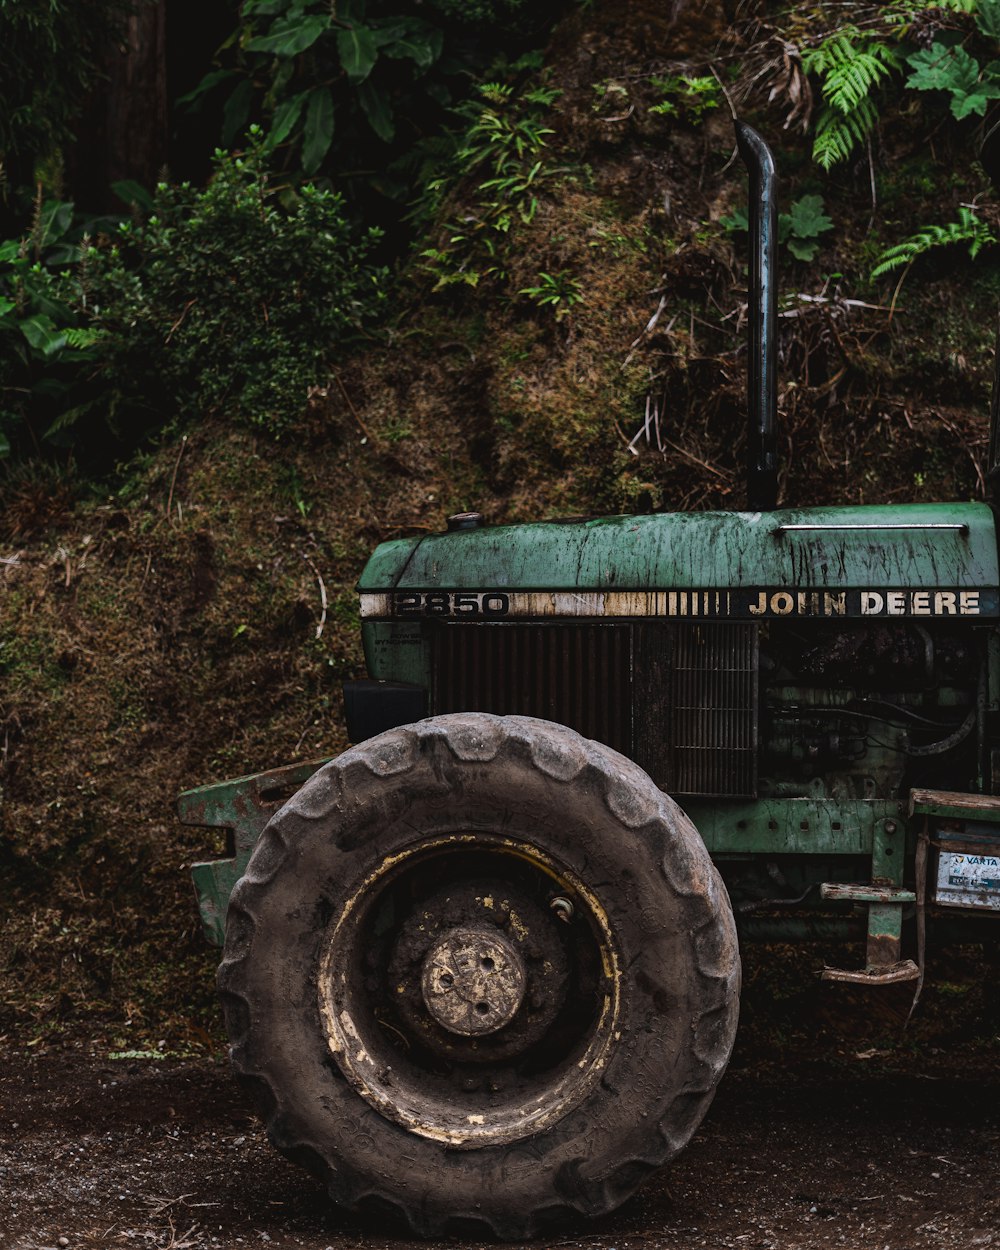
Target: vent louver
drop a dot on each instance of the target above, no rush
(714, 721)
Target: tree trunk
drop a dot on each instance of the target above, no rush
(123, 132)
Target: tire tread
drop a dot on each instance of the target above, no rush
(564, 756)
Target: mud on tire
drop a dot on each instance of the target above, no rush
(480, 971)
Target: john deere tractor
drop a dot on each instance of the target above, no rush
(482, 969)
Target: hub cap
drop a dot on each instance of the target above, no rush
(472, 982)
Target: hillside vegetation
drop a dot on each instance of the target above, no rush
(558, 327)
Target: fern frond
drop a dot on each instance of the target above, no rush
(838, 134)
(852, 82)
(826, 55)
(82, 337)
(850, 71)
(968, 229)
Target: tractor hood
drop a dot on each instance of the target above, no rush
(916, 560)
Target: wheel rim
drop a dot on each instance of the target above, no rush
(470, 990)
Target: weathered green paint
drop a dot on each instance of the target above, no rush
(213, 884)
(243, 805)
(777, 826)
(840, 548)
(974, 807)
(386, 562)
(397, 650)
(705, 550)
(790, 826)
(885, 919)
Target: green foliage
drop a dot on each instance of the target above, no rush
(611, 98)
(952, 69)
(224, 298)
(558, 291)
(318, 63)
(362, 86)
(45, 345)
(504, 142)
(837, 136)
(52, 53)
(687, 97)
(902, 14)
(967, 229)
(799, 229)
(850, 65)
(988, 18)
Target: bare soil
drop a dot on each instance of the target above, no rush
(97, 1153)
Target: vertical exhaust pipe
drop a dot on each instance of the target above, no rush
(762, 460)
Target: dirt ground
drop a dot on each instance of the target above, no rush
(102, 1153)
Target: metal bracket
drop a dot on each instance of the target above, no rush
(885, 904)
(243, 806)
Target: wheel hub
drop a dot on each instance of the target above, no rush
(492, 910)
(473, 981)
(454, 1000)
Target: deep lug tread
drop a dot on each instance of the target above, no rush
(561, 756)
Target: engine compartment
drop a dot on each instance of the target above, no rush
(867, 710)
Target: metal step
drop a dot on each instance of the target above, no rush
(905, 970)
(866, 893)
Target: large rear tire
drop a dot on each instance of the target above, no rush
(481, 972)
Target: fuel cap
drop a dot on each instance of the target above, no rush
(465, 521)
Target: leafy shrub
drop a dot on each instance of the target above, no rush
(223, 298)
(364, 85)
(290, 42)
(504, 141)
(852, 64)
(801, 227)
(952, 69)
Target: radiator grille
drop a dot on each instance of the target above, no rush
(679, 698)
(579, 675)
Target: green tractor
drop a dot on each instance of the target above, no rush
(482, 969)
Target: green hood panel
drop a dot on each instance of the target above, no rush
(918, 545)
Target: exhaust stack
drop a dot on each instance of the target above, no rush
(762, 463)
